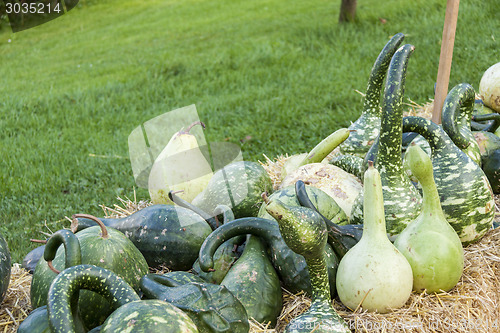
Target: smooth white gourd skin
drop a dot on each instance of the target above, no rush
(374, 274)
(429, 243)
(180, 167)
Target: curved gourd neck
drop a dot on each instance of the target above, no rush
(318, 275)
(391, 132)
(374, 228)
(457, 114)
(432, 132)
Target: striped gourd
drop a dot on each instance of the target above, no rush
(466, 195)
(305, 233)
(366, 128)
(401, 199)
(456, 118)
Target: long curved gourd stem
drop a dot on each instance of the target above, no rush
(212, 221)
(457, 113)
(73, 255)
(104, 231)
(66, 285)
(485, 117)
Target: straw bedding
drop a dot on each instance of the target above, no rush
(472, 306)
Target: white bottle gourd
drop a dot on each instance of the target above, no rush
(373, 274)
(429, 243)
(180, 167)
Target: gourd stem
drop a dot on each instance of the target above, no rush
(318, 275)
(457, 113)
(104, 231)
(194, 124)
(374, 227)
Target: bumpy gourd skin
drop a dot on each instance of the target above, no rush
(366, 128)
(456, 118)
(305, 233)
(465, 193)
(429, 243)
(401, 199)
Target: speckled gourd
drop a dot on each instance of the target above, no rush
(366, 128)
(465, 193)
(304, 232)
(290, 266)
(430, 244)
(374, 275)
(456, 119)
(401, 199)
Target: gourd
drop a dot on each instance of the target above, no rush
(317, 154)
(36, 322)
(340, 237)
(491, 168)
(374, 274)
(489, 87)
(32, 258)
(165, 234)
(325, 204)
(97, 245)
(492, 118)
(212, 307)
(126, 307)
(337, 183)
(238, 185)
(402, 200)
(255, 283)
(304, 232)
(456, 119)
(429, 243)
(366, 128)
(5, 267)
(181, 166)
(465, 193)
(291, 267)
(349, 163)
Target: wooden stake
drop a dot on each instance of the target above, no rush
(443, 76)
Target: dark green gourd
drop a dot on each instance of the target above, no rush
(304, 232)
(466, 196)
(349, 163)
(456, 119)
(340, 237)
(97, 245)
(128, 311)
(429, 243)
(493, 120)
(5, 267)
(237, 185)
(36, 322)
(291, 267)
(402, 200)
(254, 281)
(325, 204)
(366, 128)
(165, 234)
(212, 307)
(32, 258)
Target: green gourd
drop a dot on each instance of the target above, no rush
(254, 281)
(238, 185)
(340, 237)
(212, 307)
(493, 118)
(100, 246)
(291, 267)
(165, 234)
(366, 128)
(374, 274)
(456, 119)
(465, 193)
(128, 311)
(36, 322)
(304, 232)
(429, 243)
(325, 204)
(5, 267)
(350, 163)
(402, 200)
(491, 168)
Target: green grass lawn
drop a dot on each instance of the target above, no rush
(282, 72)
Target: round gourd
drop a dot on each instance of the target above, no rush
(342, 186)
(489, 87)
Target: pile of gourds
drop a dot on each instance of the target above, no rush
(381, 219)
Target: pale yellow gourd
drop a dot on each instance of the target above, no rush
(373, 274)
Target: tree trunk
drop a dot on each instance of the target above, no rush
(347, 11)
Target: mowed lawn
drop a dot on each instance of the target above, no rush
(272, 76)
